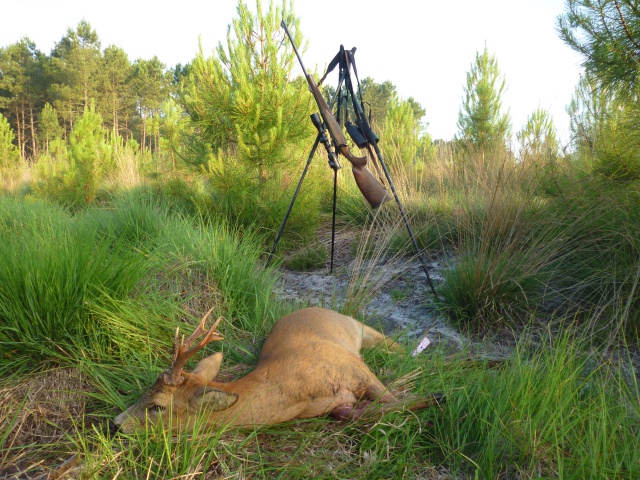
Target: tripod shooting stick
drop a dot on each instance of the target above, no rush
(371, 189)
(322, 136)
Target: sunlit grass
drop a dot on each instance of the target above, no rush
(551, 409)
(89, 303)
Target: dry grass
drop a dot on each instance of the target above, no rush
(12, 179)
(366, 276)
(39, 414)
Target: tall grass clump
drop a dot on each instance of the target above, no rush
(50, 267)
(602, 273)
(554, 409)
(506, 261)
(86, 282)
(539, 236)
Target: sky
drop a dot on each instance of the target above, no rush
(424, 47)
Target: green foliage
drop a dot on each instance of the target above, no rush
(607, 34)
(9, 154)
(244, 108)
(400, 133)
(52, 268)
(149, 82)
(117, 98)
(376, 98)
(548, 411)
(590, 108)
(405, 141)
(605, 110)
(600, 272)
(616, 153)
(604, 125)
(99, 282)
(74, 66)
(89, 155)
(74, 75)
(50, 129)
(504, 262)
(241, 100)
(248, 201)
(538, 138)
(22, 88)
(173, 128)
(481, 122)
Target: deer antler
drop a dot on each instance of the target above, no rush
(182, 350)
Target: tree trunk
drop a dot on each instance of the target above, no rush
(19, 134)
(144, 135)
(34, 144)
(115, 114)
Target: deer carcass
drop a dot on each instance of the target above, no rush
(310, 366)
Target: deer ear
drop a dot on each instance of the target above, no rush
(212, 398)
(208, 367)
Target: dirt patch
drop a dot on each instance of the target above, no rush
(387, 291)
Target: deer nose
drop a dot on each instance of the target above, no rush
(113, 428)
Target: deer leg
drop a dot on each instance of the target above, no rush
(373, 338)
(371, 410)
(349, 412)
(375, 391)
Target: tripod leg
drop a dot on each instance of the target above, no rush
(293, 199)
(333, 220)
(404, 218)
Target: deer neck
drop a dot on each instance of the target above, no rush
(258, 401)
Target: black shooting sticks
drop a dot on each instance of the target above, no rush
(362, 134)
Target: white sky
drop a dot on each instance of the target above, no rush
(424, 47)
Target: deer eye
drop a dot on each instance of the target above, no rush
(157, 408)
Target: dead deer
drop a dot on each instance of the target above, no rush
(310, 366)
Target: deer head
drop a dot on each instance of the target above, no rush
(177, 397)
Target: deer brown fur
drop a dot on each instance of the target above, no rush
(310, 366)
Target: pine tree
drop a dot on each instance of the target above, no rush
(481, 124)
(605, 110)
(49, 127)
(243, 100)
(607, 34)
(75, 62)
(538, 138)
(400, 133)
(116, 97)
(9, 154)
(22, 87)
(88, 153)
(149, 84)
(376, 98)
(172, 127)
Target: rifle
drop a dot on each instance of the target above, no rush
(371, 188)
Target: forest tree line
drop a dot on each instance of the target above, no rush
(42, 96)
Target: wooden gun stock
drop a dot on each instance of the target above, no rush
(371, 188)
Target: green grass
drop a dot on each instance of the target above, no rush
(85, 281)
(89, 302)
(519, 240)
(550, 410)
(553, 412)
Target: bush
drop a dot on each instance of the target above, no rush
(9, 153)
(97, 281)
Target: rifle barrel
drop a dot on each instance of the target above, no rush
(284, 26)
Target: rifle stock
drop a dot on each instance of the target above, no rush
(369, 186)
